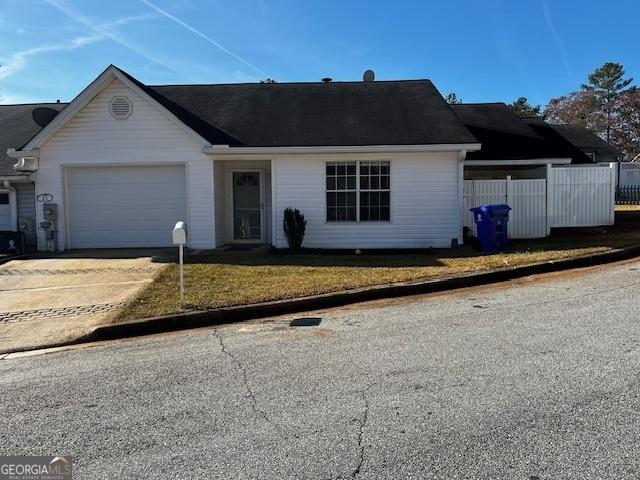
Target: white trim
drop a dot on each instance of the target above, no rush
(274, 199)
(461, 212)
(533, 161)
(225, 150)
(82, 100)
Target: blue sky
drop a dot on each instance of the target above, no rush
(489, 50)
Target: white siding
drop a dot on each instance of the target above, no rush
(424, 202)
(148, 137)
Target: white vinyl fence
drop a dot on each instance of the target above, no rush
(527, 199)
(629, 174)
(581, 196)
(568, 197)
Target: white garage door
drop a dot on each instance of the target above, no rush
(124, 206)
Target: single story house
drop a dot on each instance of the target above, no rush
(371, 164)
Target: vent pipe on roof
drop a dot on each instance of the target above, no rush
(326, 80)
(368, 76)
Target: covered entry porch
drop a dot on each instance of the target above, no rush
(242, 196)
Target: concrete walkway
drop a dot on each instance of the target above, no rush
(46, 300)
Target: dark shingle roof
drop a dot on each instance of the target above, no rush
(553, 137)
(18, 124)
(408, 112)
(506, 136)
(585, 139)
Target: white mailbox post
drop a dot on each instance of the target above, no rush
(180, 238)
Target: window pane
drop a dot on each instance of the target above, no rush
(374, 199)
(384, 168)
(364, 183)
(374, 213)
(375, 183)
(364, 199)
(364, 168)
(384, 213)
(351, 169)
(384, 199)
(331, 183)
(341, 199)
(4, 199)
(331, 214)
(331, 168)
(351, 183)
(351, 214)
(364, 214)
(351, 199)
(331, 199)
(384, 183)
(341, 169)
(374, 169)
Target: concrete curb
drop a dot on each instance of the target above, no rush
(206, 318)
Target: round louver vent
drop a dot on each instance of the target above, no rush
(120, 108)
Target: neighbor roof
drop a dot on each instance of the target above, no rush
(18, 124)
(506, 136)
(586, 140)
(409, 112)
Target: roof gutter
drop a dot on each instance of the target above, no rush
(226, 150)
(531, 161)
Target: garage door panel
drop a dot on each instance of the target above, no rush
(125, 206)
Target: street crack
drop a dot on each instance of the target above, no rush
(363, 422)
(245, 380)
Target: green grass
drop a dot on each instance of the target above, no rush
(234, 278)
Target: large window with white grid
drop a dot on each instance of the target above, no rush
(358, 191)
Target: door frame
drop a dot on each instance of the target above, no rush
(230, 186)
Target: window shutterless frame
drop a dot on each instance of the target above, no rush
(377, 191)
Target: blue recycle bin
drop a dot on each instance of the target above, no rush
(491, 224)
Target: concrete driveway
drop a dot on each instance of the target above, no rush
(48, 300)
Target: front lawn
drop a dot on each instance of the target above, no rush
(234, 278)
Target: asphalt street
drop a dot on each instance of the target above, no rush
(530, 380)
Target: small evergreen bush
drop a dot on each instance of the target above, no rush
(294, 226)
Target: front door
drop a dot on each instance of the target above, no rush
(247, 206)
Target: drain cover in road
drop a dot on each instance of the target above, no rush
(305, 322)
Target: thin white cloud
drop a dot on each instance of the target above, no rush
(108, 32)
(557, 38)
(205, 37)
(19, 60)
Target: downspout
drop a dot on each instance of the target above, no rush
(13, 204)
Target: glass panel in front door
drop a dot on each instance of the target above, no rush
(246, 206)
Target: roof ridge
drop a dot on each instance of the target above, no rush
(32, 103)
(417, 80)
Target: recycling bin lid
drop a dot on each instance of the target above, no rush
(493, 208)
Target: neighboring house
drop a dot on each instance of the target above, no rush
(18, 124)
(597, 149)
(510, 145)
(370, 164)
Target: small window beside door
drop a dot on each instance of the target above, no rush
(4, 199)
